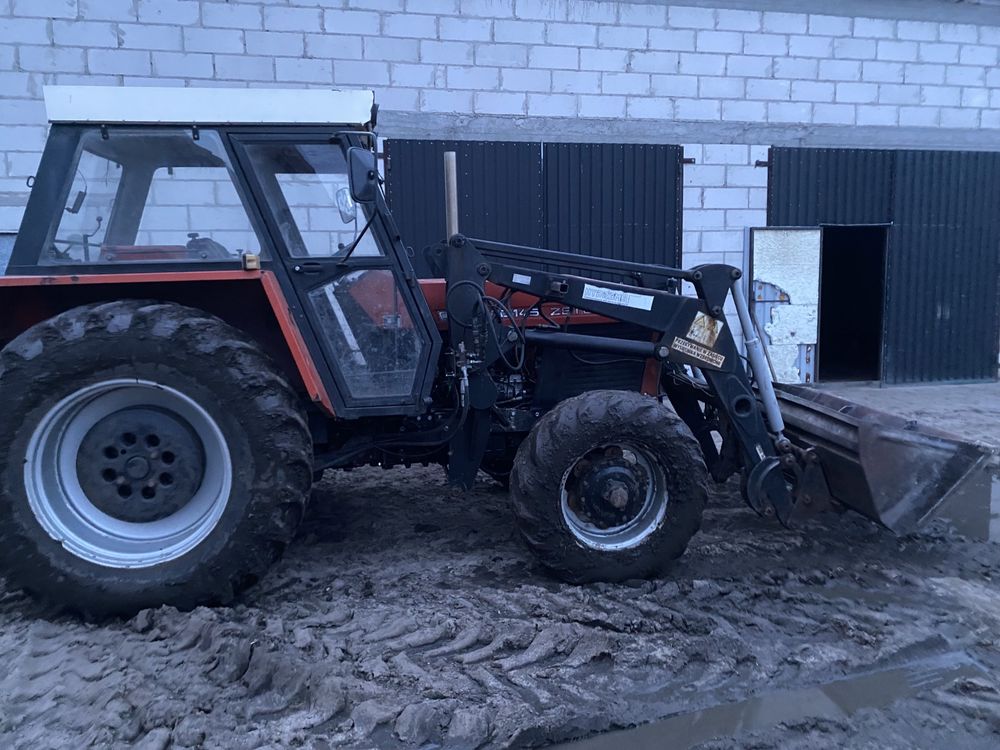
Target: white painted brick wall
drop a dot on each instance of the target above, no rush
(554, 58)
(724, 194)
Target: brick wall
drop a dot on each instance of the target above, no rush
(724, 194)
(611, 61)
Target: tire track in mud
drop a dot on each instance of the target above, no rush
(407, 614)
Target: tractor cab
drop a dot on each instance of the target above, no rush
(180, 182)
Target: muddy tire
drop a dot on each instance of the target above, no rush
(608, 486)
(149, 454)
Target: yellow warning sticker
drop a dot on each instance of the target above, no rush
(705, 329)
(696, 351)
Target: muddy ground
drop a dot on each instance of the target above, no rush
(407, 615)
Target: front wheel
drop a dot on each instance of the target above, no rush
(609, 485)
(149, 454)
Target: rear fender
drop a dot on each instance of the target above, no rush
(251, 301)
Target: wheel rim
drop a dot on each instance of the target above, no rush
(614, 496)
(128, 473)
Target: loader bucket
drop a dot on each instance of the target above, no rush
(892, 470)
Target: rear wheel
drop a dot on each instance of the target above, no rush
(609, 485)
(151, 454)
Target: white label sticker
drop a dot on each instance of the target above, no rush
(520, 278)
(704, 329)
(618, 297)
(698, 352)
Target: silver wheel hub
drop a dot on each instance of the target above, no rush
(613, 497)
(128, 473)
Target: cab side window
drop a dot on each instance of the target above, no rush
(144, 196)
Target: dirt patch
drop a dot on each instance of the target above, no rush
(407, 614)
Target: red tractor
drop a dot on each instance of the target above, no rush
(208, 304)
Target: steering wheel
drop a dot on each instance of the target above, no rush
(205, 248)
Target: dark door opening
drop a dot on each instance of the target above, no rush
(851, 297)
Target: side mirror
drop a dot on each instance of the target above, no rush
(348, 208)
(363, 174)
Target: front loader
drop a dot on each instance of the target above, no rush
(209, 304)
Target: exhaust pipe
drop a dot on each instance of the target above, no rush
(890, 469)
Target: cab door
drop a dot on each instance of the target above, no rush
(348, 272)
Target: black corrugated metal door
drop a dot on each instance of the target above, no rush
(812, 186)
(944, 259)
(614, 200)
(942, 309)
(499, 191)
(611, 200)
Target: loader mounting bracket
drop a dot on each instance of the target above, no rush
(685, 332)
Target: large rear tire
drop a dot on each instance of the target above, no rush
(608, 486)
(149, 454)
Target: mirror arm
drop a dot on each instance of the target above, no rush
(357, 240)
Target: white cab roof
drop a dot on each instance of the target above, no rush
(110, 105)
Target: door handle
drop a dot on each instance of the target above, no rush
(310, 267)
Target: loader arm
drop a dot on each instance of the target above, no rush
(689, 331)
(831, 455)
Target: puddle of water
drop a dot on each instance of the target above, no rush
(994, 527)
(831, 701)
(995, 509)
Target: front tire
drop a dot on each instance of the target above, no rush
(150, 454)
(608, 486)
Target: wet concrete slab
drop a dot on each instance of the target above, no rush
(971, 411)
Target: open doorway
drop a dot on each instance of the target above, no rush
(851, 297)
